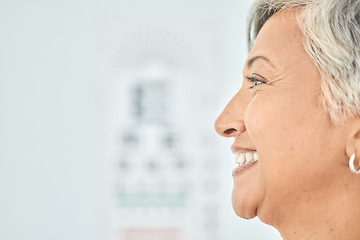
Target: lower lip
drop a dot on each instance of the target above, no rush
(240, 169)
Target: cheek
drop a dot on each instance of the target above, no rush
(272, 126)
(278, 120)
(267, 126)
(290, 136)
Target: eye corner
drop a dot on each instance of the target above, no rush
(254, 80)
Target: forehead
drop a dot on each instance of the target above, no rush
(280, 40)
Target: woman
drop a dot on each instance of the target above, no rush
(296, 119)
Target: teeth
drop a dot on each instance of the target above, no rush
(244, 158)
(241, 159)
(248, 157)
(256, 157)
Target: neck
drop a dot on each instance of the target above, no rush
(325, 216)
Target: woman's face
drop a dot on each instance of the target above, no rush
(281, 116)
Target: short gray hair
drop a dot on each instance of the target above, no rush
(332, 39)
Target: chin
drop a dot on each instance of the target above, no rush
(244, 208)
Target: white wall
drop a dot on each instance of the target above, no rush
(49, 107)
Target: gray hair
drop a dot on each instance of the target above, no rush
(332, 39)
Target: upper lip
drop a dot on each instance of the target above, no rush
(238, 149)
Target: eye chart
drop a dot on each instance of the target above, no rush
(159, 169)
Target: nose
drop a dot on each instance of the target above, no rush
(230, 123)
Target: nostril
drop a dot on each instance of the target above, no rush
(230, 131)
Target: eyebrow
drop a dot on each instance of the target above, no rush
(253, 59)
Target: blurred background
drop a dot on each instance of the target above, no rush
(106, 119)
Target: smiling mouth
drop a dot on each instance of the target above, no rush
(246, 157)
(244, 160)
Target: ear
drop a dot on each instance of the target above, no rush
(353, 137)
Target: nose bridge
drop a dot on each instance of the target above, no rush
(230, 123)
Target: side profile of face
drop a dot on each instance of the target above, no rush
(279, 114)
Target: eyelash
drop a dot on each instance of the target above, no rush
(255, 81)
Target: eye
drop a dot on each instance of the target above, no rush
(255, 81)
